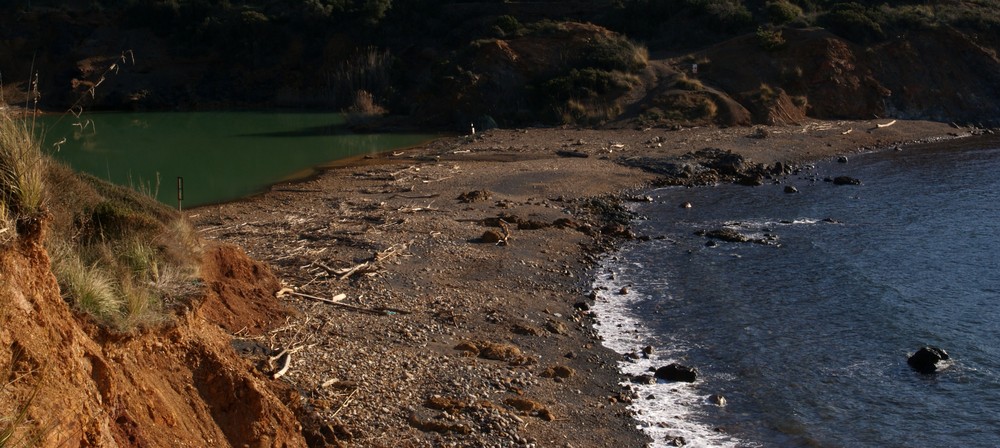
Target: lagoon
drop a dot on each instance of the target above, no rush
(221, 156)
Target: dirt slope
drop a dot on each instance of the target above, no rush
(178, 386)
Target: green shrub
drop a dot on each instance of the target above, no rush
(770, 39)
(614, 53)
(781, 12)
(586, 83)
(509, 25)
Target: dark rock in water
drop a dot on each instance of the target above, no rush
(729, 235)
(677, 372)
(676, 441)
(711, 243)
(846, 180)
(926, 359)
(686, 205)
(647, 350)
(582, 306)
(717, 400)
(791, 189)
(842, 159)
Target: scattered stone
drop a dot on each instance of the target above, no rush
(556, 327)
(928, 359)
(644, 379)
(582, 306)
(475, 196)
(759, 132)
(559, 371)
(526, 330)
(468, 347)
(491, 237)
(565, 223)
(677, 372)
(443, 403)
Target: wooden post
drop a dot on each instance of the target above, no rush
(180, 192)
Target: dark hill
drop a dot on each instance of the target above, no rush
(448, 63)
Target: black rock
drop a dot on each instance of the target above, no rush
(677, 372)
(846, 180)
(926, 359)
(791, 189)
(582, 306)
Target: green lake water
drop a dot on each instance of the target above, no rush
(221, 156)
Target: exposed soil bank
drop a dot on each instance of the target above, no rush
(447, 336)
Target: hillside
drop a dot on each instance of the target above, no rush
(448, 63)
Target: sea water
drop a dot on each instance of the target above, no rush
(807, 337)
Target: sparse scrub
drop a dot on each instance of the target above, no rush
(367, 71)
(685, 83)
(615, 53)
(770, 39)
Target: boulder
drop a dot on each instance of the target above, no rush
(677, 372)
(791, 189)
(928, 359)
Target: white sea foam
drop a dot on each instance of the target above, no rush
(671, 413)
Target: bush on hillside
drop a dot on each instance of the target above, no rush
(854, 22)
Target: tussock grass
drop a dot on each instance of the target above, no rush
(22, 168)
(119, 255)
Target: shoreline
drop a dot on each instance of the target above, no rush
(450, 339)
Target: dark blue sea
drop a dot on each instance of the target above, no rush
(807, 338)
